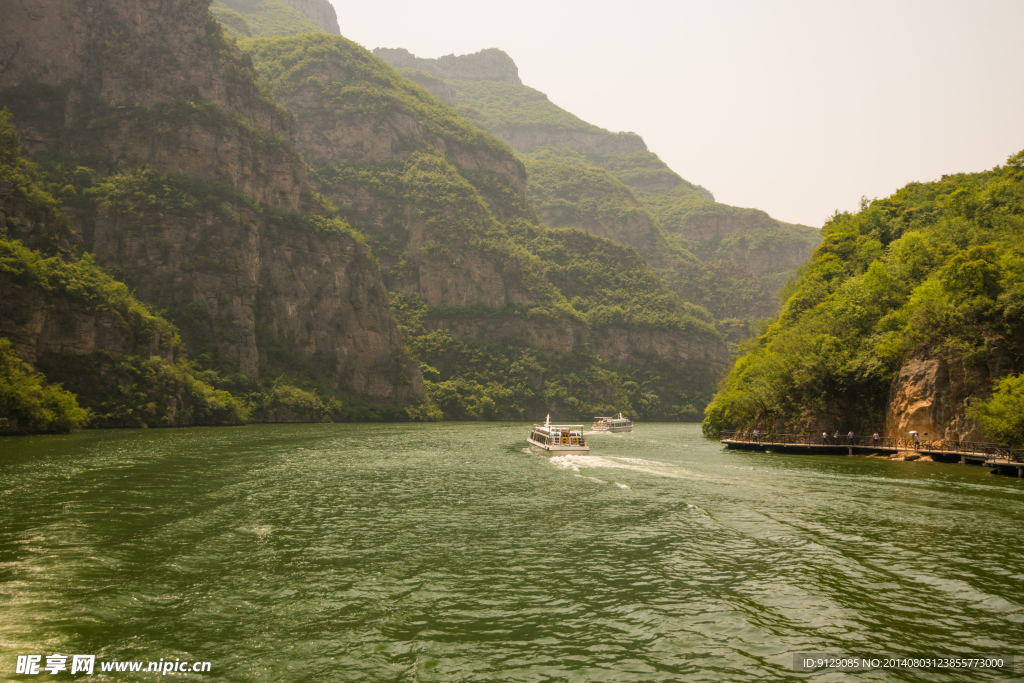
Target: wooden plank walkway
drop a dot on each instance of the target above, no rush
(1000, 456)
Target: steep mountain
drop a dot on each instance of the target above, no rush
(443, 203)
(178, 172)
(908, 316)
(611, 184)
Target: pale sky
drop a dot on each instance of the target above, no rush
(796, 108)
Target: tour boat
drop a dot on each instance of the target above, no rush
(612, 424)
(559, 439)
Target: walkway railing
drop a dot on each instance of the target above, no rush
(994, 450)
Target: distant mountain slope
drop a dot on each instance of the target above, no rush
(762, 249)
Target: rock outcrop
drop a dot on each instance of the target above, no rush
(931, 395)
(321, 12)
(491, 64)
(43, 326)
(921, 399)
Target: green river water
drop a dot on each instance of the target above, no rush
(448, 552)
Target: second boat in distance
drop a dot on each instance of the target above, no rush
(559, 439)
(612, 424)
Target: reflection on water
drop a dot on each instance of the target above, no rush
(451, 553)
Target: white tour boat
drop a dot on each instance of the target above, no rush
(559, 439)
(612, 424)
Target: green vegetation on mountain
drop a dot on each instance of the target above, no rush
(259, 18)
(600, 200)
(1001, 417)
(644, 171)
(28, 403)
(609, 284)
(364, 87)
(934, 271)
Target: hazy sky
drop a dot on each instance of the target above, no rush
(797, 108)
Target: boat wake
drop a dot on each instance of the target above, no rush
(661, 469)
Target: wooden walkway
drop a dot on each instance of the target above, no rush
(1005, 459)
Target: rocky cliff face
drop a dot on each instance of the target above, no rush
(44, 326)
(325, 295)
(321, 12)
(487, 65)
(931, 395)
(51, 308)
(155, 84)
(224, 274)
(150, 83)
(173, 52)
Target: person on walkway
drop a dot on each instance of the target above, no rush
(757, 436)
(824, 438)
(917, 440)
(835, 437)
(850, 437)
(876, 439)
